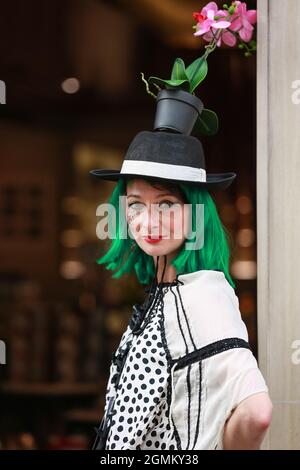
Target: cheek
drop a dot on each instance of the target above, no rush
(134, 221)
(181, 222)
(175, 222)
(131, 216)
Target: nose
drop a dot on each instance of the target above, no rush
(151, 221)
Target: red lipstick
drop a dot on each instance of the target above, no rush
(153, 239)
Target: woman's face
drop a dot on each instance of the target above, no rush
(157, 217)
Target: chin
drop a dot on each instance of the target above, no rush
(156, 250)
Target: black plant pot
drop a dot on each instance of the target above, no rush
(177, 111)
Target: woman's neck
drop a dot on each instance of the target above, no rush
(166, 271)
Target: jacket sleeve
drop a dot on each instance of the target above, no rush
(207, 389)
(241, 379)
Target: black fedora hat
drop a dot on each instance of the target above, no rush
(166, 157)
(169, 153)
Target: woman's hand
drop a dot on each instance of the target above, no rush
(248, 423)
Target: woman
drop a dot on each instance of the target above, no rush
(183, 375)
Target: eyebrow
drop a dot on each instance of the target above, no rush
(160, 195)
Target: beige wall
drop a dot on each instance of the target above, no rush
(278, 211)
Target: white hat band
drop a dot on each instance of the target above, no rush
(163, 170)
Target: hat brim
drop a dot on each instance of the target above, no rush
(213, 180)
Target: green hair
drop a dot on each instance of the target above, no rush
(213, 255)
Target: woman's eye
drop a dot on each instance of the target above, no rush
(166, 204)
(136, 206)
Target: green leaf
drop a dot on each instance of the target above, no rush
(182, 84)
(178, 70)
(207, 123)
(196, 72)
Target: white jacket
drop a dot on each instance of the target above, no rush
(174, 382)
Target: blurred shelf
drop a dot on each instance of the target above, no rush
(51, 388)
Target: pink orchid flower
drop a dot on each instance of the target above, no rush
(206, 19)
(242, 21)
(226, 36)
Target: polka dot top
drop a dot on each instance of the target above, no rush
(182, 365)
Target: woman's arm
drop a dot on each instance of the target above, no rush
(248, 423)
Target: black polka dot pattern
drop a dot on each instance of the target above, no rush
(141, 410)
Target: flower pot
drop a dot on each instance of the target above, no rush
(177, 111)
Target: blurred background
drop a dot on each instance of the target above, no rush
(75, 100)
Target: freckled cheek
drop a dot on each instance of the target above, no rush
(134, 220)
(130, 218)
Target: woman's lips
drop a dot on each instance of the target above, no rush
(150, 239)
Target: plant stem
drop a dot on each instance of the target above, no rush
(147, 86)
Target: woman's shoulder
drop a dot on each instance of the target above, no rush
(211, 284)
(212, 306)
